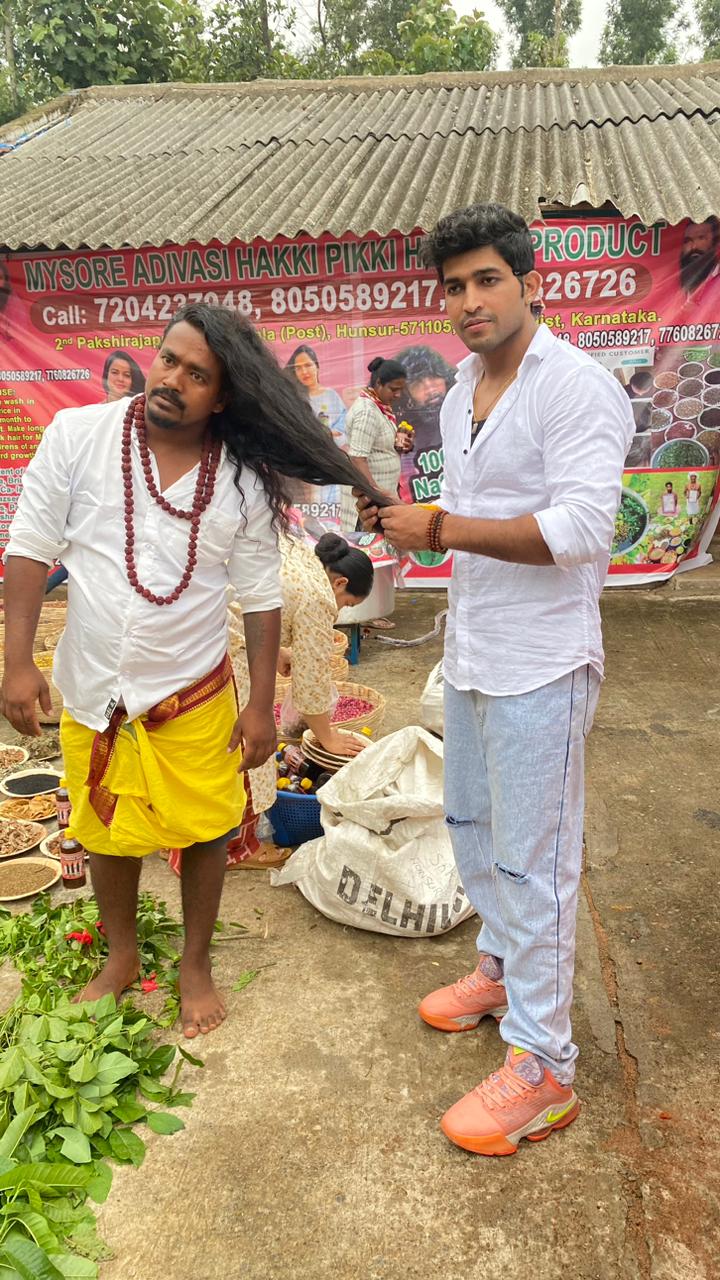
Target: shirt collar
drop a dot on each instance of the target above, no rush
(470, 368)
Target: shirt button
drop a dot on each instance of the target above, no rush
(464, 450)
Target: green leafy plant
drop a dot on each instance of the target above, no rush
(75, 1082)
(60, 948)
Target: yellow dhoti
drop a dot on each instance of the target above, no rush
(164, 780)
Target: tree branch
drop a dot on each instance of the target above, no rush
(10, 57)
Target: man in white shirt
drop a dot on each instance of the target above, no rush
(692, 494)
(158, 505)
(535, 435)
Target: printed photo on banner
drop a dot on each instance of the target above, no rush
(645, 301)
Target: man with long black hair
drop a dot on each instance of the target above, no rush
(429, 378)
(157, 504)
(535, 435)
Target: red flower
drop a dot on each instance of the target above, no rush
(83, 937)
(100, 927)
(149, 984)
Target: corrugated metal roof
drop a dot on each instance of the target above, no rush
(173, 163)
(141, 118)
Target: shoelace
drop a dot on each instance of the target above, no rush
(472, 983)
(503, 1088)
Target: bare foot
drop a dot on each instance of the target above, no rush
(119, 972)
(202, 1008)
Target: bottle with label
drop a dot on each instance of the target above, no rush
(72, 863)
(293, 758)
(405, 438)
(63, 807)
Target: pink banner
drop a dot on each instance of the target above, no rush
(83, 327)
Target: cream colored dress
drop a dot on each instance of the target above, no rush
(308, 614)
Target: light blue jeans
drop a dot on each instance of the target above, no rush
(514, 796)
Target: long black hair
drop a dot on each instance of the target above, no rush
(335, 554)
(267, 424)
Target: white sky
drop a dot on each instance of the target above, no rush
(584, 46)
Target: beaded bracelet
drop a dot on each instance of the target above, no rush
(434, 528)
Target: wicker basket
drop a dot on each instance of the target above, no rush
(339, 671)
(52, 619)
(340, 643)
(44, 661)
(339, 667)
(52, 638)
(374, 719)
(51, 625)
(282, 684)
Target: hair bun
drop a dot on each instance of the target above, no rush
(331, 548)
(375, 364)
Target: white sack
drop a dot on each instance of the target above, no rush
(431, 701)
(385, 862)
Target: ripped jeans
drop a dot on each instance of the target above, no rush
(514, 796)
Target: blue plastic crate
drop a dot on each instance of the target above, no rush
(295, 818)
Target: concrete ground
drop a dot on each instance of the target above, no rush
(313, 1150)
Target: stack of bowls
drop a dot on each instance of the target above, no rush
(327, 760)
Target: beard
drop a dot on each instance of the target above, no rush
(158, 414)
(695, 268)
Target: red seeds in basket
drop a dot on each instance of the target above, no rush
(347, 708)
(350, 709)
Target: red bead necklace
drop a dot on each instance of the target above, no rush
(202, 498)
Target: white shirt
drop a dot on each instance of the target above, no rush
(116, 645)
(553, 447)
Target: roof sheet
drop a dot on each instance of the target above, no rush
(173, 163)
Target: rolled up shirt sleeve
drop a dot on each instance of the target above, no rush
(254, 564)
(37, 530)
(588, 429)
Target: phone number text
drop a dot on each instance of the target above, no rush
(293, 300)
(613, 337)
(689, 332)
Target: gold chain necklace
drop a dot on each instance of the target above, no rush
(494, 401)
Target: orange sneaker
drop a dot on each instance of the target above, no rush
(461, 1006)
(521, 1100)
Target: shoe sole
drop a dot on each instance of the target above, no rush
(465, 1023)
(500, 1144)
